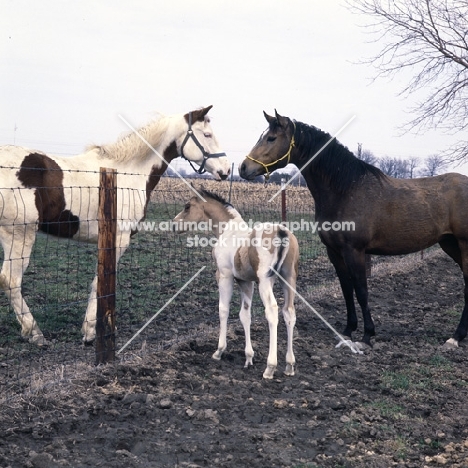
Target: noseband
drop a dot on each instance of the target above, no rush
(206, 155)
(287, 155)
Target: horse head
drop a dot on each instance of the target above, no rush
(272, 150)
(200, 146)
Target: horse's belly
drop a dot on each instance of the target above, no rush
(401, 245)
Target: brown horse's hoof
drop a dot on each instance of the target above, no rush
(355, 347)
(450, 345)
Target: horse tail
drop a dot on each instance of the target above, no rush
(280, 252)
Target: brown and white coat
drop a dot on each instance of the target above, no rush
(59, 196)
(249, 256)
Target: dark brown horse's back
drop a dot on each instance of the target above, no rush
(400, 216)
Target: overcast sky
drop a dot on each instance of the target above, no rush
(69, 68)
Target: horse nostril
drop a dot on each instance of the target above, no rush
(223, 176)
(242, 168)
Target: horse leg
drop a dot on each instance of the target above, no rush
(356, 263)
(462, 329)
(347, 290)
(89, 323)
(265, 288)
(458, 250)
(289, 316)
(225, 286)
(247, 288)
(17, 243)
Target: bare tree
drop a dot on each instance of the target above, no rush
(401, 169)
(413, 163)
(366, 155)
(394, 167)
(429, 37)
(433, 165)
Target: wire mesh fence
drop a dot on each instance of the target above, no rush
(157, 263)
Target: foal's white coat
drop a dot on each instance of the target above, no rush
(249, 256)
(139, 169)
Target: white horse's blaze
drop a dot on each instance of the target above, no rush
(249, 257)
(60, 196)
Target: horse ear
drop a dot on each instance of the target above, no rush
(282, 121)
(271, 120)
(199, 114)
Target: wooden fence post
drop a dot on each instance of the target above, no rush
(107, 225)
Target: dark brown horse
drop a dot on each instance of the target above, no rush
(391, 216)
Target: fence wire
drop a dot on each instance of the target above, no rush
(156, 264)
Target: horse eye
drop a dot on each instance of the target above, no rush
(187, 207)
(207, 135)
(271, 139)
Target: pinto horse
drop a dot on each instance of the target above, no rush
(391, 216)
(248, 256)
(59, 196)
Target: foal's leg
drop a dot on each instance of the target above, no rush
(289, 315)
(89, 324)
(17, 242)
(265, 288)
(225, 286)
(247, 288)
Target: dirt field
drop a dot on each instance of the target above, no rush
(402, 404)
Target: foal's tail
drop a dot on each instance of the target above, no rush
(280, 252)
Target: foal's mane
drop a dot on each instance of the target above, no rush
(215, 196)
(130, 147)
(336, 163)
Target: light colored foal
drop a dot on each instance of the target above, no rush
(248, 256)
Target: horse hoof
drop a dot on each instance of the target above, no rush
(361, 345)
(248, 361)
(450, 345)
(269, 372)
(216, 356)
(39, 340)
(88, 342)
(356, 348)
(289, 370)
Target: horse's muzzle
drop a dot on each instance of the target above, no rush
(249, 173)
(223, 176)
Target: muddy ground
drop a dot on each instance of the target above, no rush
(402, 403)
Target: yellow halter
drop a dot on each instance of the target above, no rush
(287, 155)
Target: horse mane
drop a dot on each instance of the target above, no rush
(336, 162)
(215, 196)
(130, 147)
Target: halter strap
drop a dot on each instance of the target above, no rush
(206, 155)
(287, 155)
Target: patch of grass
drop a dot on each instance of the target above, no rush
(418, 378)
(433, 444)
(395, 380)
(400, 448)
(307, 465)
(441, 362)
(389, 410)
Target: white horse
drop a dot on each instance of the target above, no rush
(248, 256)
(59, 196)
